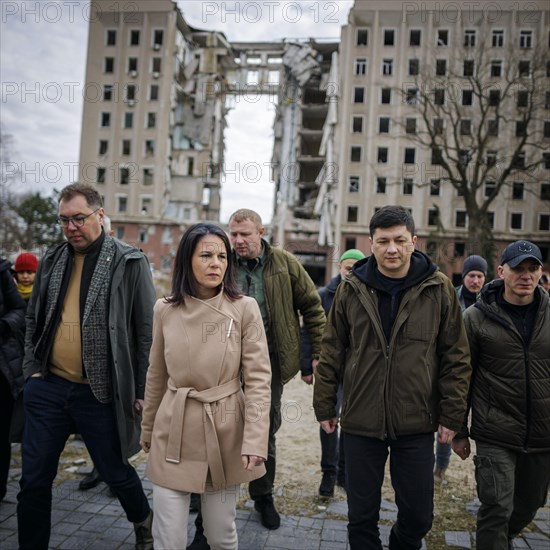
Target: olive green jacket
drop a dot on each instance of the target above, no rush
(290, 292)
(409, 385)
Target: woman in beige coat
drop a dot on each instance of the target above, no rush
(206, 413)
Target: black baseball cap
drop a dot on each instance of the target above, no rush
(516, 252)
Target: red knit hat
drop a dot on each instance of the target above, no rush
(26, 261)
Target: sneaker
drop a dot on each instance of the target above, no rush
(269, 516)
(326, 489)
(144, 533)
(90, 481)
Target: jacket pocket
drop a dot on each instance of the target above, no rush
(486, 480)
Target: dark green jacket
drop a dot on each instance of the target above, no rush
(406, 386)
(510, 395)
(129, 325)
(289, 291)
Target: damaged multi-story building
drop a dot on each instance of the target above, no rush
(152, 139)
(346, 136)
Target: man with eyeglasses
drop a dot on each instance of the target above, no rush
(89, 330)
(508, 330)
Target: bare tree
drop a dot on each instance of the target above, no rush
(10, 227)
(28, 220)
(487, 125)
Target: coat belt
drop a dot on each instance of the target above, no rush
(206, 397)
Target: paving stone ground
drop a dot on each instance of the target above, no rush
(94, 520)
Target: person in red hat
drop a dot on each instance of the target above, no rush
(25, 268)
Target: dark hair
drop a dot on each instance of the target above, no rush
(390, 216)
(183, 280)
(92, 196)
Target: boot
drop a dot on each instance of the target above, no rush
(326, 489)
(144, 533)
(269, 516)
(90, 481)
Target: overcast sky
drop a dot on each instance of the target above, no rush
(42, 68)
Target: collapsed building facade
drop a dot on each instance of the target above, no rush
(303, 154)
(152, 142)
(164, 90)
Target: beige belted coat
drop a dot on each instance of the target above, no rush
(207, 395)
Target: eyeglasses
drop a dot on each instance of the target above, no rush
(78, 221)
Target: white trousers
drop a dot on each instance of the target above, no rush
(172, 516)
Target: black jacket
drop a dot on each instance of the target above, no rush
(12, 321)
(510, 392)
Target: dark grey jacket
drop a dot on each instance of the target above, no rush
(510, 393)
(129, 325)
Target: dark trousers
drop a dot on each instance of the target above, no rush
(55, 408)
(411, 469)
(6, 413)
(511, 486)
(332, 447)
(264, 486)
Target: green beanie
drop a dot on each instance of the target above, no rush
(352, 254)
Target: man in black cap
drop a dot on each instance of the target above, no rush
(473, 279)
(508, 331)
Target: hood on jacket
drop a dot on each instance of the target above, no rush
(421, 268)
(4, 264)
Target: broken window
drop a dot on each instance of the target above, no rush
(414, 37)
(384, 125)
(358, 94)
(468, 68)
(442, 37)
(440, 67)
(134, 37)
(362, 37)
(389, 37)
(353, 213)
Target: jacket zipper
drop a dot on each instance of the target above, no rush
(527, 397)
